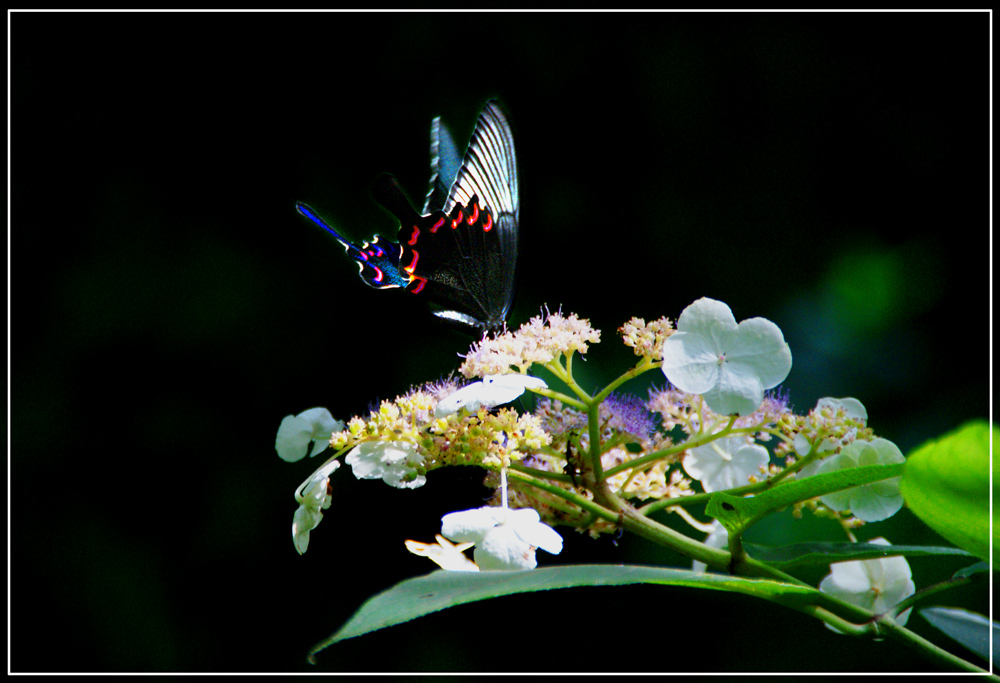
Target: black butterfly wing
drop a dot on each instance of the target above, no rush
(489, 175)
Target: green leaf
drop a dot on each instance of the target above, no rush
(439, 590)
(968, 628)
(822, 554)
(947, 484)
(738, 514)
(971, 570)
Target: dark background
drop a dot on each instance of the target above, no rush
(168, 307)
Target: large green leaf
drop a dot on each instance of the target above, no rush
(439, 590)
(738, 514)
(800, 555)
(946, 483)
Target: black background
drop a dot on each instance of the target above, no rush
(168, 307)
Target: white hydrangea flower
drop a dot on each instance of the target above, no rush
(394, 462)
(725, 463)
(729, 365)
(493, 390)
(717, 538)
(876, 585)
(445, 554)
(505, 539)
(313, 498)
(298, 431)
(853, 408)
(871, 502)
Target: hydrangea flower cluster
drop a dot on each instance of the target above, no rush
(719, 424)
(537, 341)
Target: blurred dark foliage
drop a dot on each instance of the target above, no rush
(168, 307)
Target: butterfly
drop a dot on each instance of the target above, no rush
(460, 253)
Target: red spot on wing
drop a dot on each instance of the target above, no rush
(458, 219)
(489, 222)
(378, 274)
(437, 225)
(475, 214)
(421, 281)
(414, 236)
(413, 264)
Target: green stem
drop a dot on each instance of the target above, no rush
(559, 396)
(925, 593)
(594, 430)
(946, 660)
(644, 365)
(855, 620)
(565, 374)
(542, 474)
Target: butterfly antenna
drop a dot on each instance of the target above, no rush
(307, 211)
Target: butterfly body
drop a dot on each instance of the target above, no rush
(460, 253)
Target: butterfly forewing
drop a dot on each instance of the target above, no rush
(445, 162)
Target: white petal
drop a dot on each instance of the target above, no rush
(710, 318)
(294, 435)
(704, 462)
(503, 549)
(877, 501)
(852, 407)
(305, 520)
(446, 555)
(469, 525)
(365, 461)
(466, 397)
(738, 392)
(690, 362)
(530, 529)
(494, 390)
(394, 462)
(500, 389)
(838, 500)
(761, 348)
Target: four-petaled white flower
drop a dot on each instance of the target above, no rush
(297, 431)
(725, 463)
(445, 554)
(313, 498)
(876, 585)
(730, 365)
(394, 462)
(493, 390)
(505, 539)
(871, 502)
